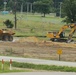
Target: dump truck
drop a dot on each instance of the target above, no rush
(59, 36)
(6, 35)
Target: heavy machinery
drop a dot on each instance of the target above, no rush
(6, 35)
(59, 36)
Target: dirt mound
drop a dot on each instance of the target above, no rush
(63, 44)
(67, 45)
(45, 43)
(28, 39)
(57, 44)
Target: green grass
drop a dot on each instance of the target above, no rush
(44, 67)
(34, 24)
(6, 68)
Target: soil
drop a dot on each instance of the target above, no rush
(32, 47)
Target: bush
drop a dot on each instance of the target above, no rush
(8, 24)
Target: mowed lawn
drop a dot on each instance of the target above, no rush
(34, 24)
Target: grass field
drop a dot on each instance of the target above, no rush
(6, 68)
(29, 67)
(34, 24)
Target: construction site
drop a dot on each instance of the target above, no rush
(38, 34)
(32, 47)
(36, 38)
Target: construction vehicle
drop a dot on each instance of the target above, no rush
(6, 35)
(59, 36)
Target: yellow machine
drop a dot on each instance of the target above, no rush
(58, 36)
(6, 35)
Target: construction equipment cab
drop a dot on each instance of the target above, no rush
(6, 35)
(59, 36)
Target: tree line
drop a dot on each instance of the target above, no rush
(68, 7)
(41, 6)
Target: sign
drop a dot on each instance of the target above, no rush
(59, 51)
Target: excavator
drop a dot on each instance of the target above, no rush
(59, 36)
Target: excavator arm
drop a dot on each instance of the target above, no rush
(73, 28)
(62, 29)
(57, 34)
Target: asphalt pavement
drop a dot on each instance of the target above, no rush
(39, 61)
(41, 73)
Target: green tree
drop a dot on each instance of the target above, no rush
(43, 6)
(69, 8)
(31, 1)
(10, 4)
(1, 4)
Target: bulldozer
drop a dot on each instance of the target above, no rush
(6, 35)
(60, 35)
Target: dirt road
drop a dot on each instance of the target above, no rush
(34, 48)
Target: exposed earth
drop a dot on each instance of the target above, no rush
(34, 48)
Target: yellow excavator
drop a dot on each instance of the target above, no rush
(59, 36)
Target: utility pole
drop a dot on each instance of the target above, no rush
(5, 3)
(27, 8)
(21, 8)
(60, 8)
(31, 7)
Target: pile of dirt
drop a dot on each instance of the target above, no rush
(65, 45)
(29, 39)
(60, 44)
(45, 43)
(71, 45)
(32, 47)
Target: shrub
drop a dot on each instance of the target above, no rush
(8, 24)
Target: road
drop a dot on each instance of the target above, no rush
(41, 73)
(39, 61)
